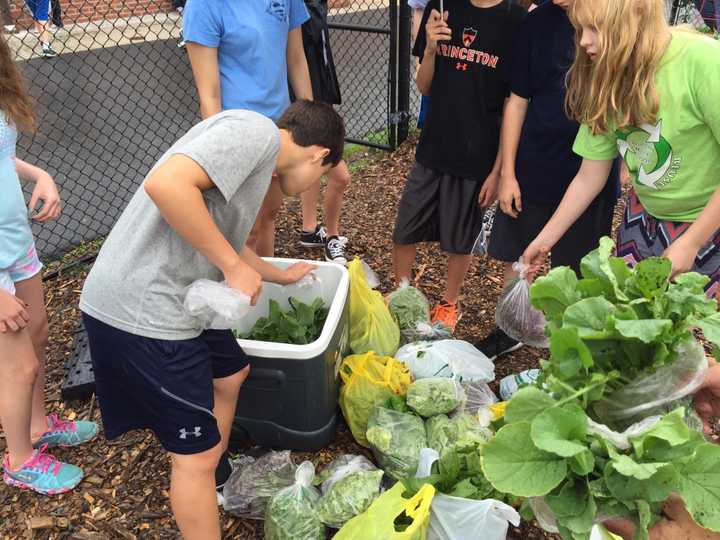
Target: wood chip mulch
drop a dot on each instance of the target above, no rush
(125, 492)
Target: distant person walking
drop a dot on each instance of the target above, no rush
(40, 10)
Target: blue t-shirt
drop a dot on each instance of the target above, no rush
(545, 163)
(15, 235)
(251, 37)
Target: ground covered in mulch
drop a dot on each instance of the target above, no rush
(125, 493)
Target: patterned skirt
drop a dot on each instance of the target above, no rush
(641, 236)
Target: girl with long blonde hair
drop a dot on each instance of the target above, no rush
(28, 431)
(652, 95)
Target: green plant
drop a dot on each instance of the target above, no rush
(300, 325)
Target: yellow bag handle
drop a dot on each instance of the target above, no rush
(419, 505)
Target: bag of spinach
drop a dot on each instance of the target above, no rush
(291, 513)
(409, 307)
(396, 437)
(437, 395)
(516, 316)
(352, 485)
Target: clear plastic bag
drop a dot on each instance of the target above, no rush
(516, 316)
(215, 304)
(477, 396)
(396, 439)
(455, 518)
(437, 395)
(291, 511)
(408, 306)
(651, 395)
(483, 239)
(446, 358)
(254, 481)
(424, 331)
(353, 484)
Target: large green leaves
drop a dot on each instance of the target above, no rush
(561, 431)
(553, 293)
(527, 404)
(513, 464)
(700, 486)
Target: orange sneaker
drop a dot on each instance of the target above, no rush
(447, 313)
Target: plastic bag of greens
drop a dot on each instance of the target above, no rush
(516, 316)
(396, 438)
(216, 305)
(456, 518)
(478, 395)
(446, 358)
(353, 484)
(409, 306)
(291, 511)
(463, 432)
(424, 331)
(658, 392)
(441, 432)
(254, 481)
(437, 395)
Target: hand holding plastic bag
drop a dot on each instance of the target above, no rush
(291, 512)
(216, 305)
(253, 482)
(516, 316)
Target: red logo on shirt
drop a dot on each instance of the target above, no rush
(469, 35)
(461, 66)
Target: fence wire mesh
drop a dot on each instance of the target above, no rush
(120, 91)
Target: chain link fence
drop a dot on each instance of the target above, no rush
(120, 91)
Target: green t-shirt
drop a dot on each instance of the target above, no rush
(675, 164)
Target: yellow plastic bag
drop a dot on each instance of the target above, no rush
(372, 327)
(378, 521)
(369, 380)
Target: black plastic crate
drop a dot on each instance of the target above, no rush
(79, 379)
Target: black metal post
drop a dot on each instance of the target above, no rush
(404, 71)
(393, 75)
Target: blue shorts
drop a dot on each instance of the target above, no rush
(161, 385)
(40, 9)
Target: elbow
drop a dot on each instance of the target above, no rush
(423, 87)
(153, 188)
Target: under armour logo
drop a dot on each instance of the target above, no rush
(184, 433)
(461, 66)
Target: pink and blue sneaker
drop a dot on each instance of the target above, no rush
(66, 433)
(43, 474)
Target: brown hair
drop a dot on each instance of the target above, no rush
(315, 123)
(618, 87)
(14, 99)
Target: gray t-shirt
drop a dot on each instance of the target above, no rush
(139, 280)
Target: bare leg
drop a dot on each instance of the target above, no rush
(42, 28)
(338, 180)
(18, 371)
(309, 202)
(31, 291)
(262, 236)
(192, 494)
(458, 266)
(403, 260)
(226, 396)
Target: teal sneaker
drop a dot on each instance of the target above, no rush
(66, 432)
(43, 474)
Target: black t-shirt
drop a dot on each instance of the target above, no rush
(462, 127)
(543, 53)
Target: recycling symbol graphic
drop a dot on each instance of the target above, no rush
(646, 151)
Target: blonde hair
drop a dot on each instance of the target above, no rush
(15, 102)
(618, 87)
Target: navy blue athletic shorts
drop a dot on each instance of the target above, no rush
(161, 385)
(40, 9)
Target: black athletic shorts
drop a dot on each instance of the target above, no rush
(510, 237)
(439, 207)
(161, 385)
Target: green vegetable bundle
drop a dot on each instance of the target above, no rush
(621, 349)
(291, 513)
(396, 437)
(300, 325)
(409, 307)
(450, 434)
(349, 497)
(437, 395)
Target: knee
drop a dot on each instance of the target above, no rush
(340, 182)
(39, 334)
(231, 384)
(25, 372)
(198, 464)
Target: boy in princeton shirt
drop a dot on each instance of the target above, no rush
(463, 55)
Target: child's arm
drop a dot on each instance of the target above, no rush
(298, 71)
(45, 190)
(683, 251)
(581, 192)
(204, 63)
(176, 188)
(513, 120)
(272, 273)
(436, 30)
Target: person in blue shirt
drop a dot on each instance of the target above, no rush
(243, 54)
(538, 162)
